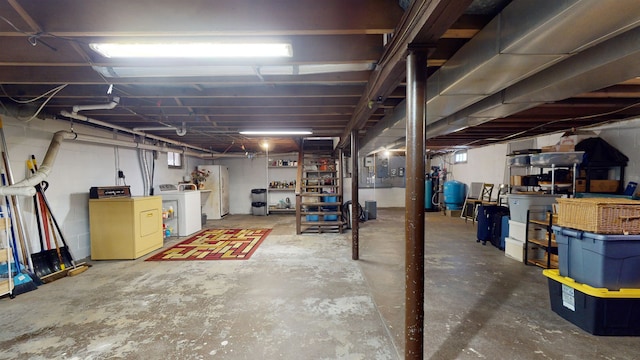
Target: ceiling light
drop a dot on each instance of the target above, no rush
(225, 70)
(277, 132)
(193, 50)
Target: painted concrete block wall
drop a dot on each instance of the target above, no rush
(244, 174)
(77, 167)
(627, 140)
(486, 164)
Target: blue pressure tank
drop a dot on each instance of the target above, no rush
(428, 194)
(453, 194)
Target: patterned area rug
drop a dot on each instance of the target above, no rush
(215, 244)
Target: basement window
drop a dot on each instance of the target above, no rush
(460, 157)
(174, 160)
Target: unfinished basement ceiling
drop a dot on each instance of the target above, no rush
(347, 70)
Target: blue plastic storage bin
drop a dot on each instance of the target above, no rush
(601, 261)
(312, 217)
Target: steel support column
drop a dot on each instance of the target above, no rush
(355, 241)
(414, 202)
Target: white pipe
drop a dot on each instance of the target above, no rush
(26, 187)
(107, 106)
(183, 131)
(130, 131)
(180, 132)
(155, 128)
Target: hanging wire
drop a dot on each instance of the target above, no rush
(585, 117)
(51, 94)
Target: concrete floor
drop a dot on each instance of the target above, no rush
(302, 297)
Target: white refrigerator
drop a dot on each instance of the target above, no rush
(215, 195)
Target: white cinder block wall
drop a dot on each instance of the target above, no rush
(77, 168)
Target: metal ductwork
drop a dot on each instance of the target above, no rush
(606, 64)
(470, 88)
(512, 48)
(387, 131)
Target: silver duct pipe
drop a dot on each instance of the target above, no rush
(605, 64)
(512, 48)
(26, 187)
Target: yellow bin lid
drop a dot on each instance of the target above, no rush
(596, 292)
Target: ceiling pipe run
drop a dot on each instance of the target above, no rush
(107, 106)
(179, 131)
(131, 131)
(26, 187)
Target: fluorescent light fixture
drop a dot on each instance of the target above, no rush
(277, 132)
(192, 50)
(226, 70)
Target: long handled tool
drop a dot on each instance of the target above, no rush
(46, 261)
(64, 250)
(41, 264)
(23, 282)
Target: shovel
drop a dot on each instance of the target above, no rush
(41, 260)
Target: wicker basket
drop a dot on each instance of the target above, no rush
(600, 215)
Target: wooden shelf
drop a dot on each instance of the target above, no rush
(313, 184)
(547, 244)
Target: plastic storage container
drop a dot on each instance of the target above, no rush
(603, 261)
(519, 160)
(557, 158)
(514, 249)
(371, 208)
(537, 203)
(259, 208)
(329, 199)
(259, 195)
(595, 310)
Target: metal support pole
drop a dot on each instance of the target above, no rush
(355, 241)
(414, 203)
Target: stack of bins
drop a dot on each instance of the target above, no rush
(327, 208)
(597, 285)
(519, 204)
(259, 201)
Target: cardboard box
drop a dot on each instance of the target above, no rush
(559, 148)
(597, 186)
(516, 180)
(453, 213)
(574, 137)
